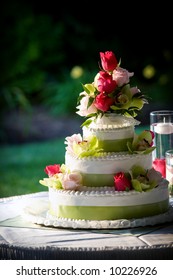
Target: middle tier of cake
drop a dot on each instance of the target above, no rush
(99, 171)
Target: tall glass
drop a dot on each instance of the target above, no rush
(161, 123)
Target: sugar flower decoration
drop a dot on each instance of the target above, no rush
(110, 92)
(60, 177)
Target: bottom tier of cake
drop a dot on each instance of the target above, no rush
(108, 204)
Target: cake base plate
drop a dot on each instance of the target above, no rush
(38, 213)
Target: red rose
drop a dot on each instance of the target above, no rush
(108, 61)
(105, 82)
(52, 169)
(103, 102)
(122, 183)
(160, 165)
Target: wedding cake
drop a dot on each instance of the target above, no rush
(107, 173)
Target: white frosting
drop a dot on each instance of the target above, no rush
(108, 197)
(111, 163)
(111, 134)
(111, 127)
(110, 121)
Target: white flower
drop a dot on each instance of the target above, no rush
(70, 140)
(83, 108)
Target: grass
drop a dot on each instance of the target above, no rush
(22, 166)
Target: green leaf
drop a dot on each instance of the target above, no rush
(137, 170)
(89, 88)
(136, 185)
(86, 123)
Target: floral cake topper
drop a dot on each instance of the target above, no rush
(110, 92)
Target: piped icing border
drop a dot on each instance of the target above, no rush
(94, 197)
(112, 121)
(109, 128)
(111, 156)
(42, 216)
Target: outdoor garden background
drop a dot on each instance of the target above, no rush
(47, 52)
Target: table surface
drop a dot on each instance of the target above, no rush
(21, 238)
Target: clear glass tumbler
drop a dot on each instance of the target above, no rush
(161, 123)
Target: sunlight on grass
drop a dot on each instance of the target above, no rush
(22, 166)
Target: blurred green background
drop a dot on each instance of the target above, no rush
(46, 52)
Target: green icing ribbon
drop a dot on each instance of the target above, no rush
(98, 180)
(110, 212)
(119, 145)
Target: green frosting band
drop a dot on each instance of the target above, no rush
(98, 180)
(119, 145)
(109, 212)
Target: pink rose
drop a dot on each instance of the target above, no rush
(122, 183)
(52, 169)
(72, 181)
(104, 82)
(103, 102)
(121, 76)
(160, 165)
(108, 61)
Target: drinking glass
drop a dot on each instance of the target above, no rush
(161, 123)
